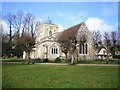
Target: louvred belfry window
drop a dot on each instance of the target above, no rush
(50, 33)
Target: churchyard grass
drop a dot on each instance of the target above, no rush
(58, 76)
(12, 60)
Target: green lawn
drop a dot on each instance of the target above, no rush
(12, 60)
(54, 76)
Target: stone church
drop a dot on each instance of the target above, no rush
(47, 46)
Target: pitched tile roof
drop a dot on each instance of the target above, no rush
(70, 32)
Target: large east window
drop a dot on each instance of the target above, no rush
(54, 50)
(83, 49)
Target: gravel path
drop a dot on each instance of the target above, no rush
(67, 64)
(81, 64)
(99, 64)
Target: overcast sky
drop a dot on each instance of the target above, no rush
(101, 16)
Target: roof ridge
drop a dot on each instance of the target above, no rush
(74, 26)
(72, 30)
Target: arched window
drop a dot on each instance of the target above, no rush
(83, 49)
(50, 33)
(54, 50)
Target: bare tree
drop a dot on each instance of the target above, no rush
(113, 38)
(5, 45)
(4, 41)
(107, 45)
(114, 47)
(72, 47)
(32, 24)
(0, 37)
(25, 25)
(26, 44)
(9, 18)
(97, 40)
(68, 45)
(64, 47)
(69, 40)
(29, 34)
(19, 22)
(74, 40)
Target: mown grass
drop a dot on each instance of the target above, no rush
(12, 60)
(54, 76)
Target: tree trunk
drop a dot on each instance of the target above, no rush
(10, 32)
(10, 41)
(65, 56)
(108, 56)
(72, 61)
(77, 57)
(107, 61)
(28, 57)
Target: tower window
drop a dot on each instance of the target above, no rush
(50, 33)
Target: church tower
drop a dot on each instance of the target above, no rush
(46, 32)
